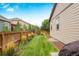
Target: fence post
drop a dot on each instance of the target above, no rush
(3, 38)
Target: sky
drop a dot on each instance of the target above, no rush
(33, 13)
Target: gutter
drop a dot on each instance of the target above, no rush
(4, 20)
(53, 9)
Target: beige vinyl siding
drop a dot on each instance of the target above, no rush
(21, 22)
(59, 8)
(69, 24)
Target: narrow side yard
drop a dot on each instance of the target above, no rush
(27, 41)
(38, 46)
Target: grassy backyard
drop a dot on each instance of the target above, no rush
(38, 46)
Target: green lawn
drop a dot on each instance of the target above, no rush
(38, 46)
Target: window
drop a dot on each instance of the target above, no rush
(51, 27)
(57, 23)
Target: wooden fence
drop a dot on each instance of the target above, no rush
(6, 37)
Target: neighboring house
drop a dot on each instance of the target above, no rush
(14, 22)
(64, 22)
(4, 22)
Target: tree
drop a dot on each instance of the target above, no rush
(24, 27)
(18, 27)
(33, 28)
(29, 27)
(45, 25)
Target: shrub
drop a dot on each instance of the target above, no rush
(30, 36)
(5, 29)
(10, 49)
(23, 39)
(9, 52)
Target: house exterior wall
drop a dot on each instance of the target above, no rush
(59, 8)
(8, 25)
(4, 22)
(68, 22)
(22, 23)
(1, 25)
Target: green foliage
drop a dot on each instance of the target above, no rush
(29, 27)
(37, 29)
(9, 52)
(39, 46)
(33, 28)
(30, 38)
(45, 25)
(18, 27)
(24, 28)
(5, 28)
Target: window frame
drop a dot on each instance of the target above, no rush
(57, 23)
